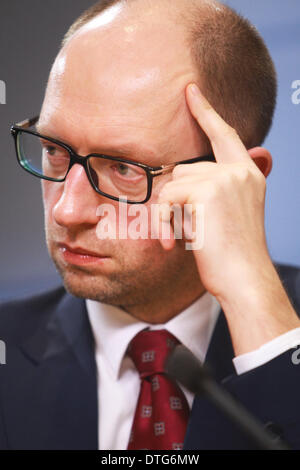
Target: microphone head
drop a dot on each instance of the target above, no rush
(183, 366)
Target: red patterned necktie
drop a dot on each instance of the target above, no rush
(162, 410)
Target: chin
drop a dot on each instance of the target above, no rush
(91, 286)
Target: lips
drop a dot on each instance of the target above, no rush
(80, 251)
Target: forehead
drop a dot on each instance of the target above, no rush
(126, 60)
(123, 74)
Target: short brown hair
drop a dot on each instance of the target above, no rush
(234, 66)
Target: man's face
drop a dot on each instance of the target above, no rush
(118, 82)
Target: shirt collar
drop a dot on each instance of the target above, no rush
(113, 328)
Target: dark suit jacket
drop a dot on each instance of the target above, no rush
(48, 386)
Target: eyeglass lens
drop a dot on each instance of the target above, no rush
(46, 158)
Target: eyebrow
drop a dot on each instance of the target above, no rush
(123, 150)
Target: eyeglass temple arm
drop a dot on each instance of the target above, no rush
(27, 122)
(205, 158)
(167, 168)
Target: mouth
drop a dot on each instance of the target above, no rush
(78, 255)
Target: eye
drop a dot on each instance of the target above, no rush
(50, 149)
(126, 171)
(122, 169)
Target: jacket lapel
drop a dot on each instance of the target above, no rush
(219, 362)
(55, 403)
(220, 352)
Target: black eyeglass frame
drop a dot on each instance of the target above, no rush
(150, 171)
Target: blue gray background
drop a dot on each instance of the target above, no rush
(30, 33)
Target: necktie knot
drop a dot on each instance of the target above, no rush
(149, 350)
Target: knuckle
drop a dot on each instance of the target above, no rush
(261, 178)
(252, 176)
(244, 174)
(258, 176)
(262, 182)
(178, 171)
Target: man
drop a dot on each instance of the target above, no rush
(122, 86)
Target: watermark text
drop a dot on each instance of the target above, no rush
(296, 93)
(2, 92)
(152, 222)
(2, 353)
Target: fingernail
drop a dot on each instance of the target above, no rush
(194, 90)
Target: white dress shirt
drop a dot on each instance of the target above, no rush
(118, 379)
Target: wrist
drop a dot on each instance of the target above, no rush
(257, 309)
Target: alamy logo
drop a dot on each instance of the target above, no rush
(2, 92)
(2, 353)
(139, 222)
(296, 93)
(296, 356)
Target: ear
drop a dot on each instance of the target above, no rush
(262, 158)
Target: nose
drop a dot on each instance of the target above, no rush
(78, 201)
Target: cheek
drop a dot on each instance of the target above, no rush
(51, 193)
(138, 253)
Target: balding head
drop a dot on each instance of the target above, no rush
(232, 64)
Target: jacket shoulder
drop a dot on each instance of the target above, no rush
(18, 316)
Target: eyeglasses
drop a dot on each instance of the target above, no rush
(116, 178)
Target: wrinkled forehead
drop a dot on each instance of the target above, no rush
(124, 67)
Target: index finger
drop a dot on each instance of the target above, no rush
(227, 145)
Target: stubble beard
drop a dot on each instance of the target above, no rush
(129, 285)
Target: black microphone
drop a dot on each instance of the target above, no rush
(183, 366)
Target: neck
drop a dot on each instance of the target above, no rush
(162, 309)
